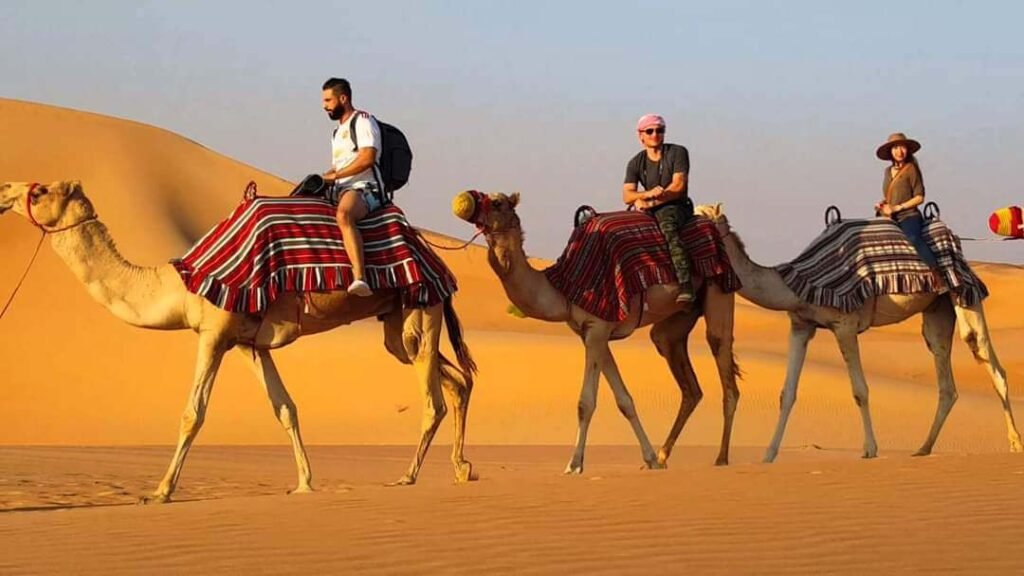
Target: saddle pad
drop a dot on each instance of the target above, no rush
(854, 260)
(269, 246)
(617, 255)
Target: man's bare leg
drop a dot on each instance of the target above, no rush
(351, 209)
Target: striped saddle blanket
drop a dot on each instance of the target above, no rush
(854, 260)
(269, 246)
(614, 256)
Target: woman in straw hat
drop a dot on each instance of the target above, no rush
(903, 191)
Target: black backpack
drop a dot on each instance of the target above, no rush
(395, 157)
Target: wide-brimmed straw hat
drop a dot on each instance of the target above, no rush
(884, 151)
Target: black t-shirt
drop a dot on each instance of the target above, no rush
(641, 170)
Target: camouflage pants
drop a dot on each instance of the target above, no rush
(669, 222)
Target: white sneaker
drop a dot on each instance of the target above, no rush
(359, 288)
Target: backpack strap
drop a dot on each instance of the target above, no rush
(664, 152)
(352, 131)
(377, 176)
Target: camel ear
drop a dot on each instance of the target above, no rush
(74, 187)
(513, 199)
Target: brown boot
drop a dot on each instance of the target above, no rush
(940, 281)
(686, 294)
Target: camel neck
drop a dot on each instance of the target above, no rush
(762, 286)
(137, 295)
(526, 287)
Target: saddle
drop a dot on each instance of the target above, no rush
(614, 256)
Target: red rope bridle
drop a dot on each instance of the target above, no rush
(45, 231)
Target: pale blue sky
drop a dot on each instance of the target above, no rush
(781, 104)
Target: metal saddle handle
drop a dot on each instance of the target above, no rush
(583, 213)
(832, 216)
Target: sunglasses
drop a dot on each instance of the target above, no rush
(652, 131)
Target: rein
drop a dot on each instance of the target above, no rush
(482, 203)
(45, 231)
(462, 246)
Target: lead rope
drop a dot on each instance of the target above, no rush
(450, 248)
(24, 275)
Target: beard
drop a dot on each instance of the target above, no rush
(336, 113)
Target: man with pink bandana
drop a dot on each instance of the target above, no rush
(662, 169)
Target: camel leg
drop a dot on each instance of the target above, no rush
(595, 339)
(974, 331)
(670, 338)
(938, 326)
(422, 337)
(719, 309)
(284, 409)
(208, 360)
(846, 335)
(625, 403)
(458, 387)
(800, 334)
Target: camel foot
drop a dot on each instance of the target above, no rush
(663, 455)
(464, 473)
(405, 480)
(155, 499)
(575, 469)
(923, 451)
(722, 461)
(301, 489)
(770, 456)
(1015, 445)
(869, 454)
(655, 464)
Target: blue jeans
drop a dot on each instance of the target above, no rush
(913, 227)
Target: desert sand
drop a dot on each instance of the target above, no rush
(91, 407)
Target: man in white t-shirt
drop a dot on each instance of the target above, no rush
(354, 178)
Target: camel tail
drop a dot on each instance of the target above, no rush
(462, 354)
(736, 370)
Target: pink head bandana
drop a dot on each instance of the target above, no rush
(649, 121)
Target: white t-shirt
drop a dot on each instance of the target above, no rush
(343, 154)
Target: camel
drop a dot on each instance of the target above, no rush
(156, 298)
(765, 287)
(531, 292)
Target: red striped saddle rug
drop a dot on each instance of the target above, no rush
(269, 246)
(854, 260)
(614, 256)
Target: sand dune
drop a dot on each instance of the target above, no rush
(74, 375)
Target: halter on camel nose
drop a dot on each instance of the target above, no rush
(471, 206)
(28, 206)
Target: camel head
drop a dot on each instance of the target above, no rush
(491, 213)
(714, 213)
(56, 205)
